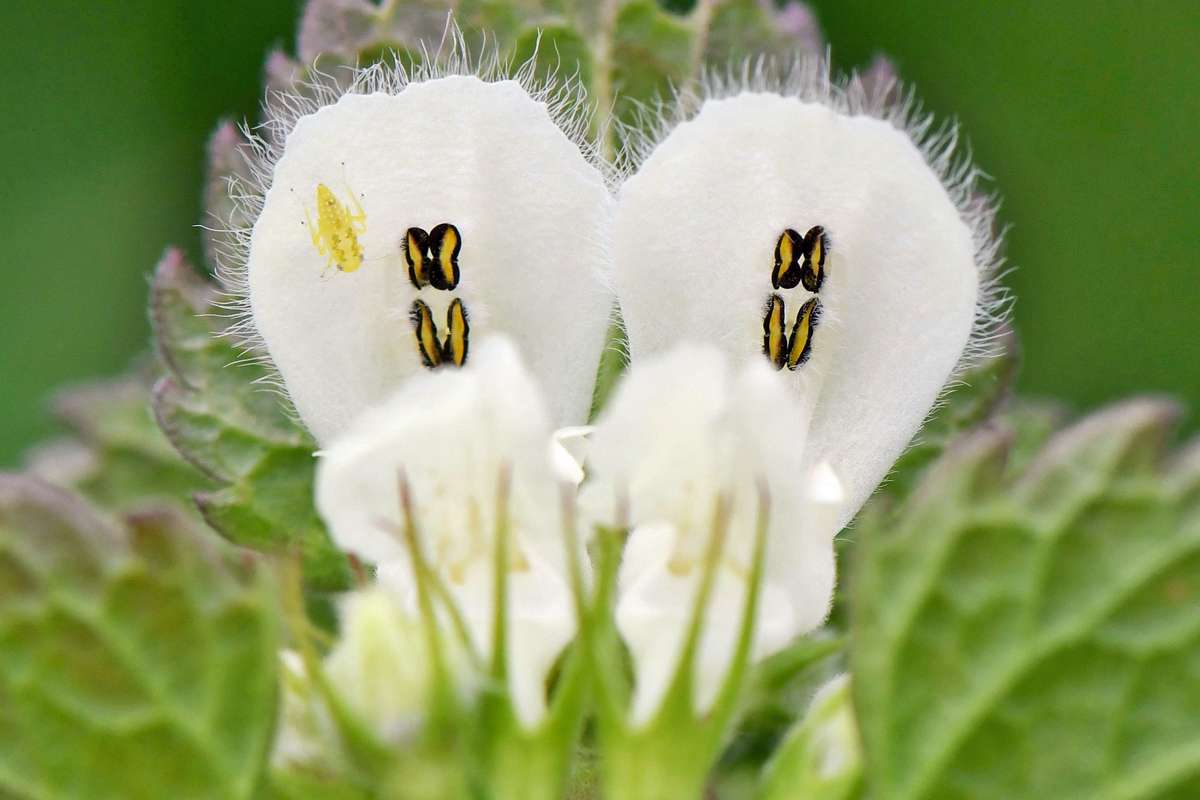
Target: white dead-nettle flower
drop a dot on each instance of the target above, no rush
(815, 227)
(684, 431)
(401, 219)
(466, 443)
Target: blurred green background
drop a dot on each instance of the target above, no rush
(1085, 113)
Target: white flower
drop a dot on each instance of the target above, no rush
(401, 220)
(682, 431)
(452, 435)
(836, 235)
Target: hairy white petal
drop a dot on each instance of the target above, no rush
(487, 157)
(452, 434)
(694, 249)
(682, 431)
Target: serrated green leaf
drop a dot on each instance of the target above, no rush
(270, 508)
(115, 454)
(214, 410)
(136, 661)
(1036, 635)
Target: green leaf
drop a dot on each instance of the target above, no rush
(271, 509)
(115, 454)
(214, 409)
(978, 397)
(1036, 635)
(136, 660)
(652, 51)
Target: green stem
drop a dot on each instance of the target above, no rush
(602, 79)
(701, 20)
(654, 767)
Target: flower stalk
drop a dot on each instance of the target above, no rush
(670, 756)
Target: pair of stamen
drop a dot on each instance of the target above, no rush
(782, 349)
(433, 257)
(434, 350)
(433, 261)
(799, 260)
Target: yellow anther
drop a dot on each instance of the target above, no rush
(416, 243)
(816, 248)
(458, 331)
(434, 351)
(425, 330)
(444, 244)
(433, 257)
(788, 251)
(800, 344)
(774, 335)
(336, 229)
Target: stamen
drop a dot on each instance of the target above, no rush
(816, 248)
(426, 332)
(416, 243)
(444, 244)
(774, 335)
(788, 251)
(800, 347)
(458, 328)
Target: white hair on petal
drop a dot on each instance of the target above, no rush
(565, 97)
(810, 79)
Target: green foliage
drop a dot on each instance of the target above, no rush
(115, 454)
(137, 660)
(215, 410)
(780, 691)
(652, 50)
(1035, 635)
(821, 758)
